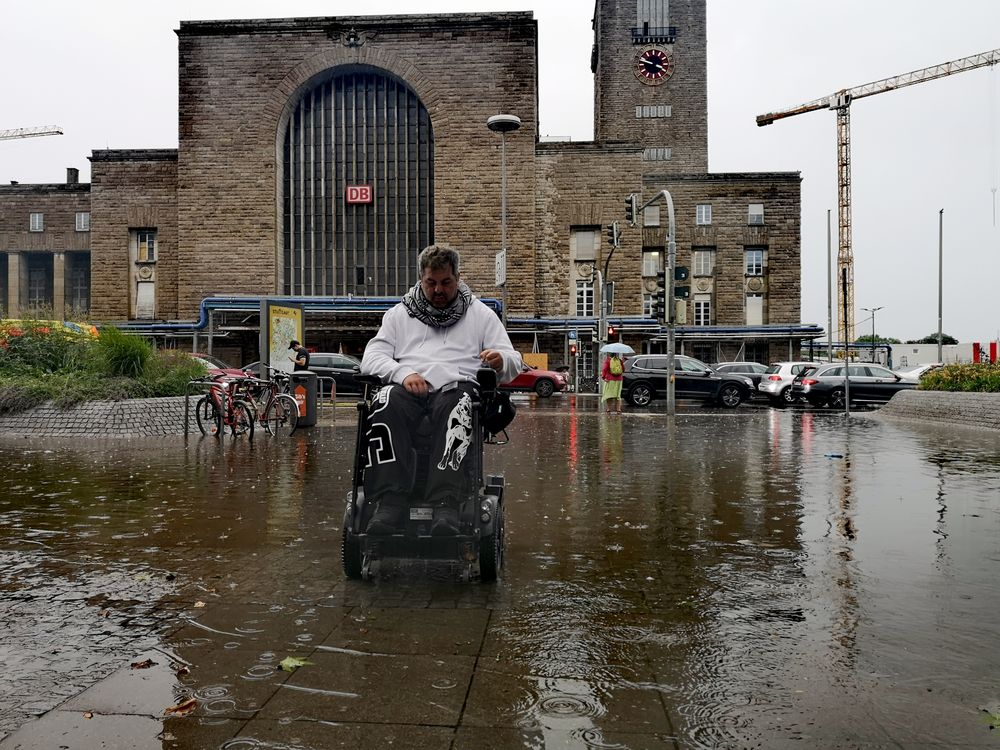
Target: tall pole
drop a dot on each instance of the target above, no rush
(940, 277)
(873, 310)
(829, 291)
(503, 124)
(671, 304)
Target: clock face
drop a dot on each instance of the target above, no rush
(654, 65)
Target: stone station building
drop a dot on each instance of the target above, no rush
(317, 156)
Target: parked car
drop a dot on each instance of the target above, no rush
(752, 370)
(776, 382)
(646, 379)
(343, 368)
(917, 371)
(215, 366)
(825, 385)
(542, 382)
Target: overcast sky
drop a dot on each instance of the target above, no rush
(106, 71)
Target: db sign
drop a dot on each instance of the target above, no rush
(359, 193)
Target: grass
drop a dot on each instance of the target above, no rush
(40, 363)
(969, 378)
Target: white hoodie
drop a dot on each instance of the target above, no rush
(405, 345)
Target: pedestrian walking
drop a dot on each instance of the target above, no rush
(611, 391)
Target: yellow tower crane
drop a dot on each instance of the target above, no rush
(841, 103)
(6, 135)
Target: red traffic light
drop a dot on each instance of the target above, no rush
(572, 350)
(611, 331)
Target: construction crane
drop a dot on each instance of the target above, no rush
(840, 102)
(6, 135)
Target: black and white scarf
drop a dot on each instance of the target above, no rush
(419, 307)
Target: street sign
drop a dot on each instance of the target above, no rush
(501, 268)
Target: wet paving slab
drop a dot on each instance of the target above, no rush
(750, 578)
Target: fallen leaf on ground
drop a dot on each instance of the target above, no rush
(291, 663)
(88, 715)
(144, 664)
(199, 604)
(183, 708)
(181, 670)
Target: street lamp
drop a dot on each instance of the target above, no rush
(503, 124)
(873, 310)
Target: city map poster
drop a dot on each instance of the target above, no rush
(281, 324)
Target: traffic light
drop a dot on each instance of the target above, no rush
(681, 273)
(631, 208)
(682, 292)
(659, 306)
(614, 236)
(611, 332)
(572, 349)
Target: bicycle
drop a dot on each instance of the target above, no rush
(225, 406)
(273, 407)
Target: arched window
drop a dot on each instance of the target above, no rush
(356, 127)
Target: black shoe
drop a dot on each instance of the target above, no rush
(387, 519)
(445, 521)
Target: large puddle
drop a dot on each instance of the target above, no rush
(751, 578)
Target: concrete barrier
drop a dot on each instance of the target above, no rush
(946, 407)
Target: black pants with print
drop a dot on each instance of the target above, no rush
(400, 425)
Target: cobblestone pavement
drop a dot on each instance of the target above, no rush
(757, 578)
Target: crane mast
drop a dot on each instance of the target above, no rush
(840, 102)
(6, 135)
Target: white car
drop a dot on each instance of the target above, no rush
(917, 371)
(776, 382)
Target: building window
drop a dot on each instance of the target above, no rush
(656, 154)
(39, 278)
(651, 216)
(583, 244)
(703, 261)
(755, 214)
(651, 263)
(78, 284)
(36, 222)
(703, 214)
(756, 351)
(704, 352)
(585, 299)
(652, 110)
(83, 221)
(754, 265)
(702, 309)
(755, 309)
(143, 242)
(647, 305)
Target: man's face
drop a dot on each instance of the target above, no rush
(440, 286)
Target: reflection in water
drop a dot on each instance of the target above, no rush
(753, 577)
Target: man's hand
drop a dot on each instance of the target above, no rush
(416, 384)
(492, 358)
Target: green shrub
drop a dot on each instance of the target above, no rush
(39, 349)
(123, 355)
(979, 378)
(168, 373)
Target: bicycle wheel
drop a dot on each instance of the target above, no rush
(208, 416)
(242, 419)
(282, 416)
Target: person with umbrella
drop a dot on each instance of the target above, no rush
(611, 374)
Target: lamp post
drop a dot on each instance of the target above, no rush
(503, 124)
(873, 310)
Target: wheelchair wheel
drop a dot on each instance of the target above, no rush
(350, 546)
(491, 548)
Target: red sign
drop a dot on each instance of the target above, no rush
(359, 193)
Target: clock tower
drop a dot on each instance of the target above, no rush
(650, 81)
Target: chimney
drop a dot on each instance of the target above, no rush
(72, 175)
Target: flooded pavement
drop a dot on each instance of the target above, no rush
(749, 578)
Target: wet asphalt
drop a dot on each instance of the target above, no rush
(759, 577)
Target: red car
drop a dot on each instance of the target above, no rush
(215, 366)
(542, 382)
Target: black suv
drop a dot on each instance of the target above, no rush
(646, 379)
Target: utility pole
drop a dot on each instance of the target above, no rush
(940, 276)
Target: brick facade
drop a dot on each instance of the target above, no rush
(131, 190)
(216, 203)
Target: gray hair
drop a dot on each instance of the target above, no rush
(437, 257)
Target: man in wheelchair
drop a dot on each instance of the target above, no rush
(427, 353)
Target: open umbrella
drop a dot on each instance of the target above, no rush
(617, 348)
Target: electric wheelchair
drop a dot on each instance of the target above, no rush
(478, 548)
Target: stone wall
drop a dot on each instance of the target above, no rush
(59, 204)
(146, 417)
(240, 81)
(133, 189)
(962, 409)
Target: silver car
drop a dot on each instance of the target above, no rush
(776, 382)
